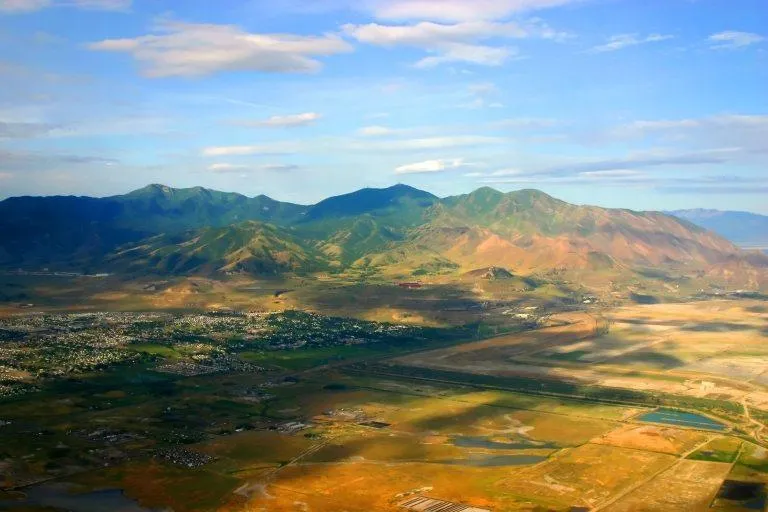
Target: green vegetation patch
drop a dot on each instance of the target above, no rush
(722, 449)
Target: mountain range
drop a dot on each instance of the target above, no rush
(400, 229)
(743, 228)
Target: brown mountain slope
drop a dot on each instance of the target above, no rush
(529, 231)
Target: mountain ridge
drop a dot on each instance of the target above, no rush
(394, 229)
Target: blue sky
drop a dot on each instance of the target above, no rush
(652, 104)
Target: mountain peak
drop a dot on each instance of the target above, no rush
(152, 189)
(367, 200)
(486, 192)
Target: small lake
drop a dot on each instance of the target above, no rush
(491, 461)
(482, 442)
(682, 419)
(60, 496)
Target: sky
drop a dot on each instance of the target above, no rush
(642, 104)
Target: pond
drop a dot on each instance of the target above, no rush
(482, 442)
(682, 419)
(498, 460)
(61, 496)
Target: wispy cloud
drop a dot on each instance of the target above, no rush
(457, 10)
(196, 49)
(635, 167)
(483, 95)
(11, 160)
(621, 41)
(425, 143)
(288, 121)
(23, 130)
(22, 6)
(431, 166)
(280, 148)
(730, 40)
(224, 168)
(453, 43)
(375, 131)
(748, 132)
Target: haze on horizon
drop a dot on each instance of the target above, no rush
(621, 103)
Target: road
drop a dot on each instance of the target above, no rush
(759, 427)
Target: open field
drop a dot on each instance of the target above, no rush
(712, 350)
(336, 441)
(500, 424)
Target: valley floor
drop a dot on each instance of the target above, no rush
(657, 407)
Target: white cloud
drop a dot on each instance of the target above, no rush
(622, 41)
(452, 43)
(746, 131)
(19, 6)
(23, 5)
(429, 34)
(223, 168)
(506, 172)
(426, 143)
(375, 131)
(429, 166)
(469, 53)
(457, 10)
(289, 121)
(189, 49)
(263, 149)
(616, 174)
(730, 39)
(278, 167)
(635, 167)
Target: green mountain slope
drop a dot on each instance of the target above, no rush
(249, 247)
(356, 225)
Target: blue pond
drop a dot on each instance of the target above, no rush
(498, 460)
(682, 419)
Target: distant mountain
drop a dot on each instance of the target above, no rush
(396, 230)
(78, 231)
(742, 228)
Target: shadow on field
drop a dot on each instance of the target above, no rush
(660, 359)
(639, 298)
(687, 325)
(465, 418)
(717, 327)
